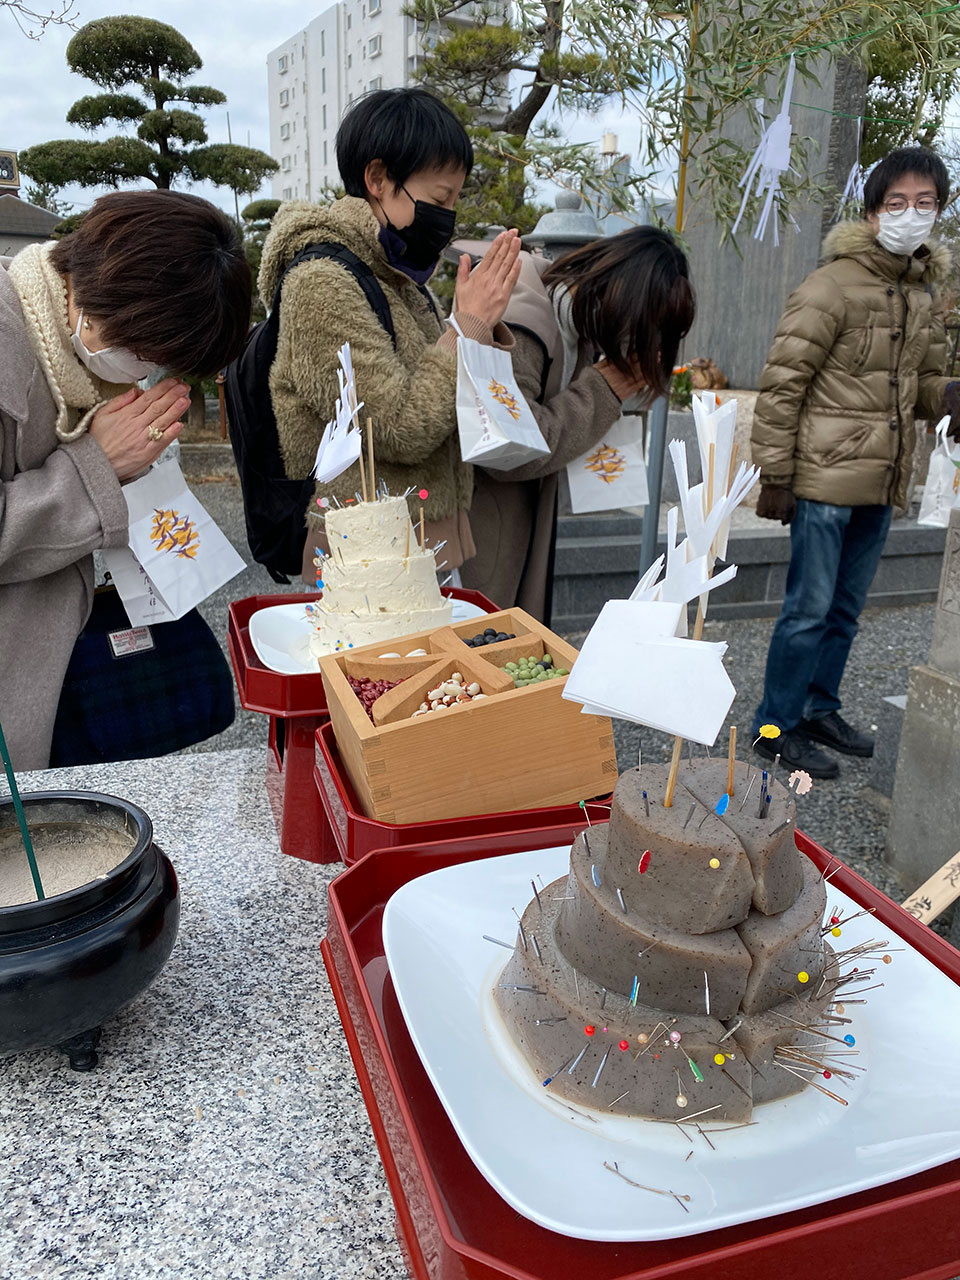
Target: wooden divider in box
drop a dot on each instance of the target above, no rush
(514, 749)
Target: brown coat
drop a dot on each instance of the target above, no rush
(859, 350)
(409, 391)
(514, 513)
(58, 503)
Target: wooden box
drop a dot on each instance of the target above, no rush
(514, 749)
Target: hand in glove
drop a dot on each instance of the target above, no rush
(776, 502)
(951, 405)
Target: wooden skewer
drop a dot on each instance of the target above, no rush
(731, 759)
(363, 477)
(370, 469)
(672, 775)
(936, 894)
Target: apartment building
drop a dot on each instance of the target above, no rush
(312, 77)
(351, 48)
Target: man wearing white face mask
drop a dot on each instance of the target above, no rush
(859, 352)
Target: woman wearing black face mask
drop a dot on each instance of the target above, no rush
(403, 158)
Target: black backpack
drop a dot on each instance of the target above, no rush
(273, 505)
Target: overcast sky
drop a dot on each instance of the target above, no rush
(233, 37)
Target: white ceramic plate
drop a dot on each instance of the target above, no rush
(280, 635)
(903, 1114)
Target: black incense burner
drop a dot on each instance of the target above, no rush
(74, 958)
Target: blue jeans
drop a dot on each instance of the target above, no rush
(834, 553)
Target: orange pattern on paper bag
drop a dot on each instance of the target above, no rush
(505, 397)
(606, 462)
(175, 533)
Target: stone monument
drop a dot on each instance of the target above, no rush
(924, 829)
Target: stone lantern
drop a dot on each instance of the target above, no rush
(566, 227)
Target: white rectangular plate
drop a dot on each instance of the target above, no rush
(547, 1161)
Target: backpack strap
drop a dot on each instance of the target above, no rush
(361, 272)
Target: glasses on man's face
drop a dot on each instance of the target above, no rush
(900, 204)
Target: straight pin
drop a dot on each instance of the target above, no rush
(594, 874)
(549, 1022)
(523, 936)
(558, 1070)
(509, 945)
(689, 816)
(623, 905)
(747, 792)
(536, 946)
(706, 990)
(646, 804)
(577, 1060)
(612, 1104)
(536, 895)
(603, 1063)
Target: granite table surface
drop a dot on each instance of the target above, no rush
(223, 1133)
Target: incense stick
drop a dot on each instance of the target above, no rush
(21, 818)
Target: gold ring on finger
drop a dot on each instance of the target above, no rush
(155, 433)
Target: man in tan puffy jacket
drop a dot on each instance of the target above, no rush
(859, 352)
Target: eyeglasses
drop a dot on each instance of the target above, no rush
(899, 204)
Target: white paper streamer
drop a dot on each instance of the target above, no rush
(770, 161)
(342, 440)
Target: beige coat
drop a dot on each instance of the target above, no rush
(58, 503)
(514, 513)
(408, 391)
(859, 350)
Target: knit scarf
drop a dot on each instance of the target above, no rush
(42, 291)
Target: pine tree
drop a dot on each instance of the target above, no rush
(142, 67)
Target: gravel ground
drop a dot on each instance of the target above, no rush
(846, 816)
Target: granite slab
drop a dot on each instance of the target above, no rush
(224, 1133)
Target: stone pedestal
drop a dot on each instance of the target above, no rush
(883, 766)
(924, 827)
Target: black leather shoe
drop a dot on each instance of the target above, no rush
(833, 731)
(796, 751)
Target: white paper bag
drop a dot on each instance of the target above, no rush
(497, 429)
(941, 493)
(613, 474)
(176, 555)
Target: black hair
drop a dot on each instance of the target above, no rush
(408, 129)
(165, 274)
(918, 160)
(632, 300)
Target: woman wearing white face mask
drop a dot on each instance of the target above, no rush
(859, 352)
(149, 280)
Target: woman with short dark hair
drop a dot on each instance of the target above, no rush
(403, 158)
(595, 328)
(150, 280)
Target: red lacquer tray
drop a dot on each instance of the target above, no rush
(453, 1226)
(297, 706)
(280, 695)
(356, 834)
